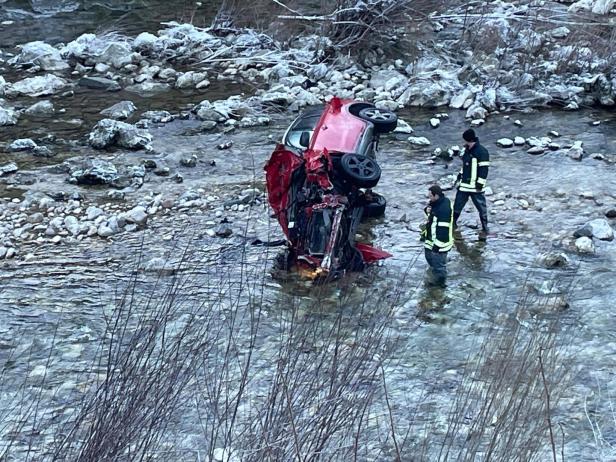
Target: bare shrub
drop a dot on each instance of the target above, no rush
(352, 26)
(504, 407)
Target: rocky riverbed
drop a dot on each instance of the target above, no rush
(141, 156)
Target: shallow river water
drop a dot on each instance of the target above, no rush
(57, 304)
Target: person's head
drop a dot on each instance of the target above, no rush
(469, 138)
(434, 193)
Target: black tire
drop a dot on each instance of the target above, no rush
(384, 120)
(376, 207)
(360, 170)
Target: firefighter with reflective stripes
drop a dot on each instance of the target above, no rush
(437, 234)
(472, 180)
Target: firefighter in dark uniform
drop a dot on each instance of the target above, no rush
(472, 180)
(437, 234)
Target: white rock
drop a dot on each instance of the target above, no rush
(505, 142)
(37, 86)
(601, 229)
(8, 115)
(458, 100)
(145, 40)
(72, 224)
(42, 55)
(535, 150)
(560, 32)
(41, 108)
(434, 122)
(519, 141)
(105, 231)
(594, 6)
(419, 140)
(576, 151)
(403, 127)
(477, 122)
(190, 79)
(584, 245)
(476, 111)
(92, 213)
(137, 215)
(25, 144)
(101, 68)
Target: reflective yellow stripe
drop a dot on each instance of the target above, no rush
(440, 243)
(433, 229)
(473, 172)
(443, 223)
(446, 248)
(484, 164)
(482, 181)
(428, 245)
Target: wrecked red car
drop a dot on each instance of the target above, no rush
(319, 184)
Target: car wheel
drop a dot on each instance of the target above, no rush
(384, 120)
(360, 170)
(376, 207)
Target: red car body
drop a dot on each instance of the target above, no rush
(319, 208)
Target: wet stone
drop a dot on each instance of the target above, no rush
(99, 83)
(162, 171)
(8, 168)
(554, 260)
(42, 151)
(505, 143)
(585, 245)
(189, 161)
(149, 164)
(536, 150)
(119, 111)
(611, 213)
(223, 231)
(24, 144)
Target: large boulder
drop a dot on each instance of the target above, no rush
(388, 80)
(40, 54)
(432, 89)
(116, 54)
(95, 172)
(109, 132)
(81, 47)
(41, 85)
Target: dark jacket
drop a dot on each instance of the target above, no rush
(473, 175)
(438, 233)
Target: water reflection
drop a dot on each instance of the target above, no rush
(471, 252)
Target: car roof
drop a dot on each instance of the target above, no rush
(338, 129)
